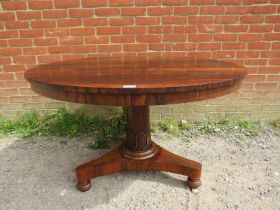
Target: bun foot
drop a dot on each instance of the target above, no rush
(193, 183)
(84, 186)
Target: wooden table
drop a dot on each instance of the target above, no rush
(136, 82)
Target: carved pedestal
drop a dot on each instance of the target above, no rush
(138, 153)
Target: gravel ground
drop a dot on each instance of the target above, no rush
(237, 174)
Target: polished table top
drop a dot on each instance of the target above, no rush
(133, 75)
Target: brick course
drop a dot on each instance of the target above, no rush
(246, 32)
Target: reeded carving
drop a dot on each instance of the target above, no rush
(137, 141)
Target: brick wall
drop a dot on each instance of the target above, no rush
(242, 31)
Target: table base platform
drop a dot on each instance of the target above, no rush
(138, 153)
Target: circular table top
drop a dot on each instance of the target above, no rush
(134, 80)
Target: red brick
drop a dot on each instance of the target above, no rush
(184, 46)
(8, 34)
(121, 2)
(209, 46)
(69, 22)
(55, 14)
(20, 42)
(275, 46)
(121, 21)
(48, 58)
(108, 48)
(24, 59)
(248, 54)
(122, 39)
(159, 46)
(3, 43)
(201, 19)
(275, 78)
(254, 1)
(268, 70)
(147, 20)
(59, 49)
(202, 2)
(174, 38)
(267, 9)
(80, 13)
(34, 50)
(72, 57)
(157, 11)
(159, 29)
(147, 2)
(266, 86)
(184, 29)
(236, 28)
(17, 84)
(234, 10)
(71, 40)
(255, 62)
(133, 11)
(225, 37)
(56, 32)
(45, 41)
(261, 28)
(272, 19)
(186, 10)
(67, 4)
(270, 54)
(30, 33)
(255, 78)
(107, 11)
(231, 2)
(251, 19)
(10, 51)
(133, 30)
(199, 37)
(14, 5)
(174, 20)
(209, 28)
(250, 37)
(16, 24)
(174, 2)
(134, 47)
(226, 19)
(6, 76)
(274, 62)
(148, 38)
(199, 55)
(28, 15)
(97, 40)
(259, 45)
(272, 37)
(213, 10)
(34, 5)
(223, 54)
(108, 30)
(19, 99)
(233, 46)
(5, 60)
(7, 16)
(84, 49)
(91, 3)
(95, 22)
(43, 24)
(14, 68)
(82, 31)
(8, 92)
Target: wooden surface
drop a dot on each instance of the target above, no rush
(135, 80)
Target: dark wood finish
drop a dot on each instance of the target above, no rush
(113, 162)
(136, 82)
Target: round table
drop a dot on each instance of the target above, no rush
(136, 82)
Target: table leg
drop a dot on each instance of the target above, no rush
(138, 153)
